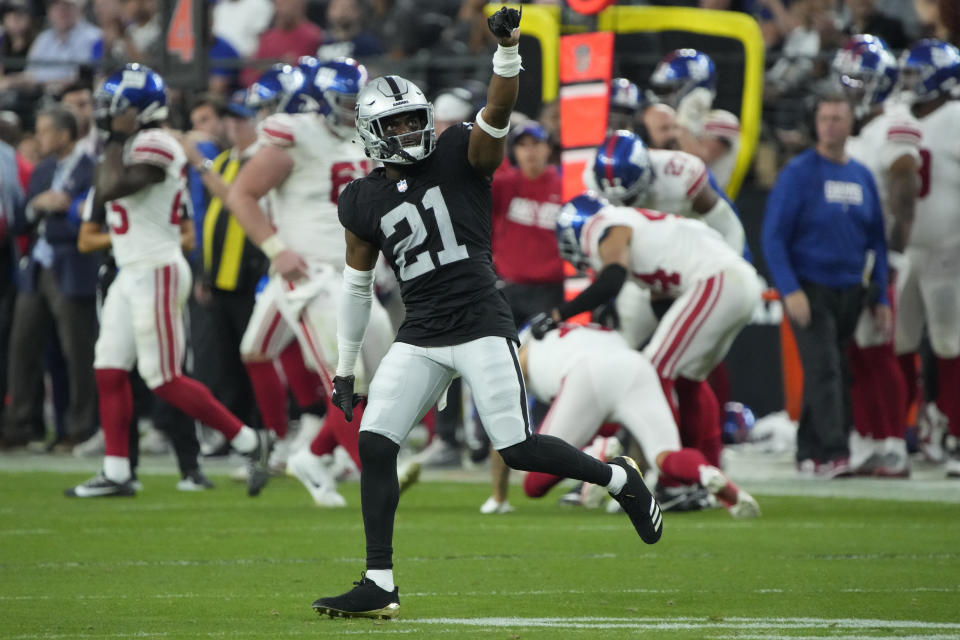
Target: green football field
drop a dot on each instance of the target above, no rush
(221, 565)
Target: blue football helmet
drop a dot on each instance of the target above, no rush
(625, 103)
(929, 69)
(275, 87)
(866, 71)
(622, 168)
(134, 86)
(737, 423)
(570, 222)
(338, 81)
(679, 73)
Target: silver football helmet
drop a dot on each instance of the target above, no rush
(387, 96)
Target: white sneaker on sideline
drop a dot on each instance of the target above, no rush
(279, 455)
(240, 474)
(864, 453)
(408, 475)
(154, 442)
(491, 506)
(439, 453)
(313, 473)
(932, 426)
(309, 427)
(91, 447)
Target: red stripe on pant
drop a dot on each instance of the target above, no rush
(168, 325)
(158, 319)
(271, 329)
(174, 318)
(687, 335)
(317, 356)
(672, 341)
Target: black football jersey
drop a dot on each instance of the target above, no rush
(433, 227)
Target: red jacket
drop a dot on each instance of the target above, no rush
(524, 226)
(302, 40)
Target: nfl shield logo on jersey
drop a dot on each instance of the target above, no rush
(402, 186)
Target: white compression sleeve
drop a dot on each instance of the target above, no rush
(724, 219)
(353, 317)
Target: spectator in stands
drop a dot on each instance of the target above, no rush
(19, 31)
(29, 150)
(823, 218)
(345, 34)
(68, 41)
(143, 35)
(224, 72)
(290, 37)
(110, 50)
(78, 99)
(11, 132)
(57, 285)
(864, 17)
(451, 107)
(240, 22)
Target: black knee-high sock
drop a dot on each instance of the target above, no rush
(379, 495)
(549, 454)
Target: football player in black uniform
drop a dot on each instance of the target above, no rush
(428, 210)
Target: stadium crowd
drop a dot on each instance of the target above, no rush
(668, 150)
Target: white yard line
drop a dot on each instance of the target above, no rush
(856, 628)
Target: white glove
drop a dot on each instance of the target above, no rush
(693, 109)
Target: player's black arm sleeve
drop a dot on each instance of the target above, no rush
(606, 286)
(113, 180)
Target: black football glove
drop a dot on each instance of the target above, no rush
(504, 21)
(540, 324)
(344, 397)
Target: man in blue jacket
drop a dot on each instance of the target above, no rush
(823, 238)
(56, 284)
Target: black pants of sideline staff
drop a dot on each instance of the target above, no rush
(826, 417)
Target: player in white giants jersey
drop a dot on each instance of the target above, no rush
(626, 172)
(306, 158)
(929, 290)
(139, 184)
(589, 376)
(715, 291)
(887, 143)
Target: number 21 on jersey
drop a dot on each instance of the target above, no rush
(422, 262)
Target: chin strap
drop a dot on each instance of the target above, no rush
(394, 148)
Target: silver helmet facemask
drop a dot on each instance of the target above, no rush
(389, 96)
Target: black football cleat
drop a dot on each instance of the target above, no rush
(638, 502)
(258, 469)
(365, 600)
(100, 486)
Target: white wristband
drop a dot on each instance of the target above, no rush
(272, 246)
(507, 61)
(489, 129)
